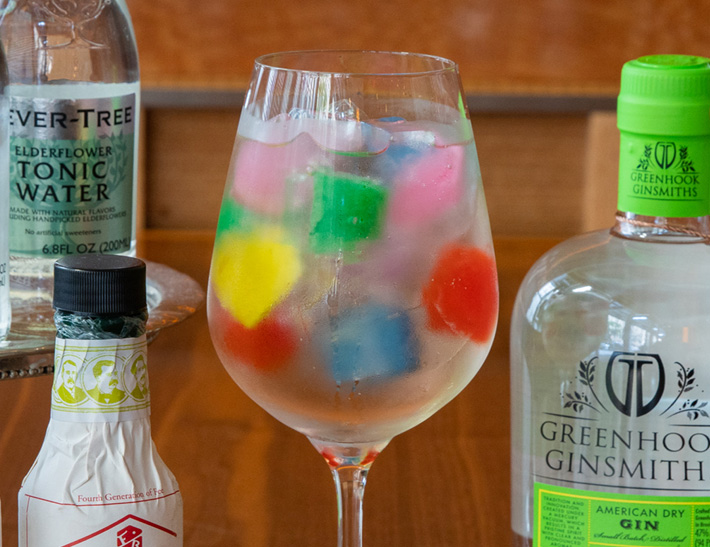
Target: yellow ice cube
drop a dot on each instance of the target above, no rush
(253, 272)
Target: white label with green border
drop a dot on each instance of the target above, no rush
(100, 380)
(566, 517)
(71, 175)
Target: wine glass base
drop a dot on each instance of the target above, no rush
(348, 454)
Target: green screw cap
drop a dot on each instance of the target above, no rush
(665, 95)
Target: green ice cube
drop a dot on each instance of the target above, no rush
(347, 209)
(235, 217)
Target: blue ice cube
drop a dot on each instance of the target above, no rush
(405, 147)
(373, 341)
(390, 119)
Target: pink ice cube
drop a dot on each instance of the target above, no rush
(261, 172)
(427, 186)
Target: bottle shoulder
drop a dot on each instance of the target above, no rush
(598, 293)
(601, 251)
(578, 253)
(75, 455)
(575, 248)
(606, 264)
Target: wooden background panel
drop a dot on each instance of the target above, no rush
(541, 172)
(188, 155)
(503, 46)
(601, 171)
(532, 168)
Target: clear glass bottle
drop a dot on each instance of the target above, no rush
(610, 341)
(74, 115)
(98, 474)
(5, 309)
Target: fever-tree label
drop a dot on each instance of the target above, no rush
(71, 175)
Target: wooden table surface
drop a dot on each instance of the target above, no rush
(248, 480)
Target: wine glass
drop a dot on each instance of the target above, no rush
(353, 288)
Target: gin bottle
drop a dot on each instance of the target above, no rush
(74, 106)
(610, 341)
(98, 478)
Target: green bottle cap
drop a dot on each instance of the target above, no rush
(665, 95)
(663, 114)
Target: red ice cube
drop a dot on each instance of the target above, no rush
(267, 346)
(462, 293)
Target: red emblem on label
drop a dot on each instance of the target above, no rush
(130, 536)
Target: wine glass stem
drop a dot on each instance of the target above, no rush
(350, 482)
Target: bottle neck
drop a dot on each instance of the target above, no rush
(99, 327)
(664, 188)
(99, 380)
(660, 229)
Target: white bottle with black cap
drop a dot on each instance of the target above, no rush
(98, 479)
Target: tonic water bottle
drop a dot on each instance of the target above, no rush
(610, 341)
(98, 479)
(74, 113)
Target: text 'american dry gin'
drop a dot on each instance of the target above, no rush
(73, 119)
(98, 478)
(610, 341)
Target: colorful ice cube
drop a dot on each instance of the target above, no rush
(427, 185)
(268, 346)
(233, 216)
(372, 341)
(261, 172)
(388, 164)
(407, 141)
(347, 210)
(346, 136)
(254, 271)
(462, 293)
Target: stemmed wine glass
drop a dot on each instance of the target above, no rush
(353, 288)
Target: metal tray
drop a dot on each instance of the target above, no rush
(28, 350)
